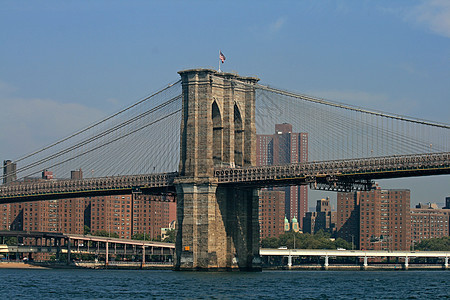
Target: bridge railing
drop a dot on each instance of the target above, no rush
(94, 184)
(310, 171)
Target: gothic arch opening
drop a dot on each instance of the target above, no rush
(217, 134)
(238, 137)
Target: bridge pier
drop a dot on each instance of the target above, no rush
(107, 254)
(365, 265)
(218, 228)
(68, 251)
(406, 265)
(289, 261)
(143, 257)
(326, 263)
(217, 225)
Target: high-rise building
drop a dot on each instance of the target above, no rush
(71, 215)
(9, 172)
(347, 220)
(376, 219)
(428, 221)
(447, 203)
(322, 219)
(47, 175)
(151, 213)
(5, 216)
(35, 216)
(112, 214)
(271, 213)
(286, 147)
(76, 175)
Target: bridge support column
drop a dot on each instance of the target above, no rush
(446, 263)
(406, 265)
(326, 264)
(290, 261)
(143, 256)
(68, 251)
(365, 265)
(218, 228)
(107, 254)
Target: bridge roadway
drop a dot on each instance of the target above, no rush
(45, 242)
(84, 239)
(335, 175)
(68, 188)
(364, 254)
(352, 253)
(338, 175)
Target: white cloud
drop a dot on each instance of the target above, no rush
(268, 30)
(411, 69)
(113, 102)
(6, 88)
(29, 124)
(276, 26)
(434, 14)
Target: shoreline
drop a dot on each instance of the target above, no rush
(19, 265)
(394, 267)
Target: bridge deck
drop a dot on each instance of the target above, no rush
(352, 253)
(59, 189)
(336, 175)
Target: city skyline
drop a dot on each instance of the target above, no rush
(66, 65)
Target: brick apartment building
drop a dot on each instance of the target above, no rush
(118, 214)
(271, 213)
(376, 219)
(124, 215)
(152, 213)
(428, 221)
(285, 147)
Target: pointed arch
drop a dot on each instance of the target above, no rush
(217, 134)
(238, 137)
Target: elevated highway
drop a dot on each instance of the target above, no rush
(405, 256)
(352, 253)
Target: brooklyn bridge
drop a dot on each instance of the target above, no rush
(197, 139)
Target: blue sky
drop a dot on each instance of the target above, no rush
(66, 64)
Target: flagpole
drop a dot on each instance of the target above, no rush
(219, 62)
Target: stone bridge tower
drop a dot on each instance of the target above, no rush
(217, 226)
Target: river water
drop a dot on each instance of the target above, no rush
(156, 284)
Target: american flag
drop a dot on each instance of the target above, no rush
(221, 56)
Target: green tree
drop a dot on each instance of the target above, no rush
(170, 236)
(436, 244)
(291, 240)
(105, 233)
(341, 243)
(141, 237)
(270, 242)
(86, 230)
(11, 240)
